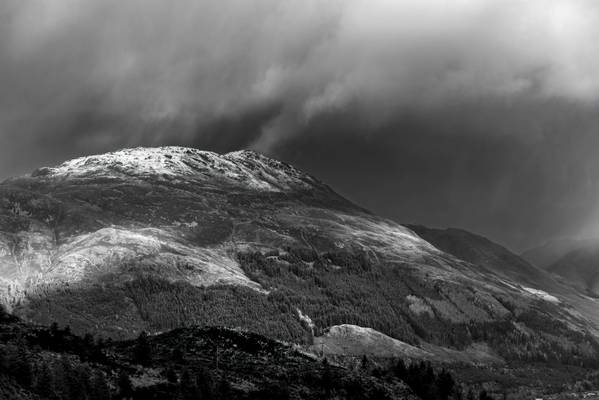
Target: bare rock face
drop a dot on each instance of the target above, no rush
(158, 238)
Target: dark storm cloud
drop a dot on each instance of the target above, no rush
(474, 112)
(468, 166)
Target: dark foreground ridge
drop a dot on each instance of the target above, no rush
(187, 363)
(222, 363)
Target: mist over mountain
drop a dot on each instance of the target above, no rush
(484, 253)
(579, 267)
(551, 251)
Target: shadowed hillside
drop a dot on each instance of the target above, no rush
(581, 268)
(484, 253)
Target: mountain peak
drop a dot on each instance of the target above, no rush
(245, 168)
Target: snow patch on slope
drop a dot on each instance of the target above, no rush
(542, 295)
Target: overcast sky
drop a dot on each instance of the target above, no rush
(481, 114)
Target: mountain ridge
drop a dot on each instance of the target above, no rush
(480, 250)
(580, 267)
(552, 250)
(244, 167)
(114, 245)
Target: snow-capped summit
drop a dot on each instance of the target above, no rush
(243, 168)
(176, 214)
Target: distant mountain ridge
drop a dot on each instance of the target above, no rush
(581, 268)
(548, 253)
(481, 251)
(573, 261)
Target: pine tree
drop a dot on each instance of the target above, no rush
(87, 345)
(142, 353)
(45, 383)
(188, 389)
(125, 386)
(445, 384)
(365, 363)
(177, 355)
(205, 383)
(4, 315)
(99, 387)
(21, 368)
(4, 361)
(81, 383)
(483, 395)
(54, 329)
(171, 375)
(327, 377)
(66, 378)
(97, 353)
(400, 369)
(224, 389)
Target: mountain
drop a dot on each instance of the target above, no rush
(572, 280)
(481, 251)
(156, 239)
(573, 261)
(581, 268)
(551, 251)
